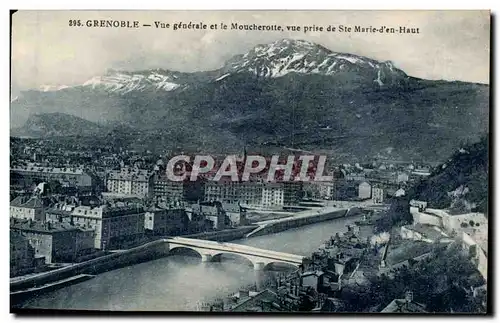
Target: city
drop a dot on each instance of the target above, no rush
(266, 170)
(64, 214)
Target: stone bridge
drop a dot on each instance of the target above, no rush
(208, 250)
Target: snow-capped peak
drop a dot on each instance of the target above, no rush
(299, 56)
(124, 82)
(271, 60)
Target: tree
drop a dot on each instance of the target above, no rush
(439, 282)
(398, 214)
(307, 300)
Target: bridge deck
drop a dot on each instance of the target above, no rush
(237, 249)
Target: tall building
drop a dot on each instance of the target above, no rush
(22, 255)
(364, 190)
(272, 195)
(292, 192)
(212, 214)
(167, 189)
(130, 181)
(172, 221)
(377, 195)
(254, 193)
(344, 190)
(172, 191)
(225, 190)
(29, 208)
(115, 225)
(57, 242)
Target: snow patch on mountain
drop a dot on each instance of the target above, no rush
(272, 60)
(52, 88)
(124, 82)
(378, 80)
(222, 77)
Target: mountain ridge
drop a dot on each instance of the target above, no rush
(57, 124)
(297, 53)
(272, 97)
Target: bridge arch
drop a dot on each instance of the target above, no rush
(218, 257)
(280, 266)
(185, 251)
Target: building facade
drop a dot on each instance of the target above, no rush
(177, 191)
(130, 181)
(292, 192)
(56, 242)
(212, 213)
(364, 190)
(114, 225)
(22, 255)
(172, 221)
(272, 195)
(28, 208)
(256, 193)
(234, 192)
(377, 195)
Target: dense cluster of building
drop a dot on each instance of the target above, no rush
(67, 230)
(68, 211)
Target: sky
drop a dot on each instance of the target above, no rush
(451, 45)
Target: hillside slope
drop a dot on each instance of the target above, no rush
(464, 178)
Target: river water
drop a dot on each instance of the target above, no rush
(178, 282)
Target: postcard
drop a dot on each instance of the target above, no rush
(249, 161)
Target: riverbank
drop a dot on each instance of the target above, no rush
(302, 219)
(94, 266)
(177, 282)
(19, 296)
(149, 251)
(223, 235)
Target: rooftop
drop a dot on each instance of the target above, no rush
(404, 306)
(98, 211)
(27, 202)
(41, 227)
(52, 170)
(428, 231)
(138, 175)
(407, 249)
(252, 303)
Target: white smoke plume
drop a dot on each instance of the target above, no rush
(379, 239)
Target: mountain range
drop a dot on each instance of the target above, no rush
(289, 93)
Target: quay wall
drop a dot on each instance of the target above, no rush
(298, 221)
(224, 235)
(149, 251)
(159, 248)
(145, 252)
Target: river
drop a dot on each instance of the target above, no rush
(178, 283)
